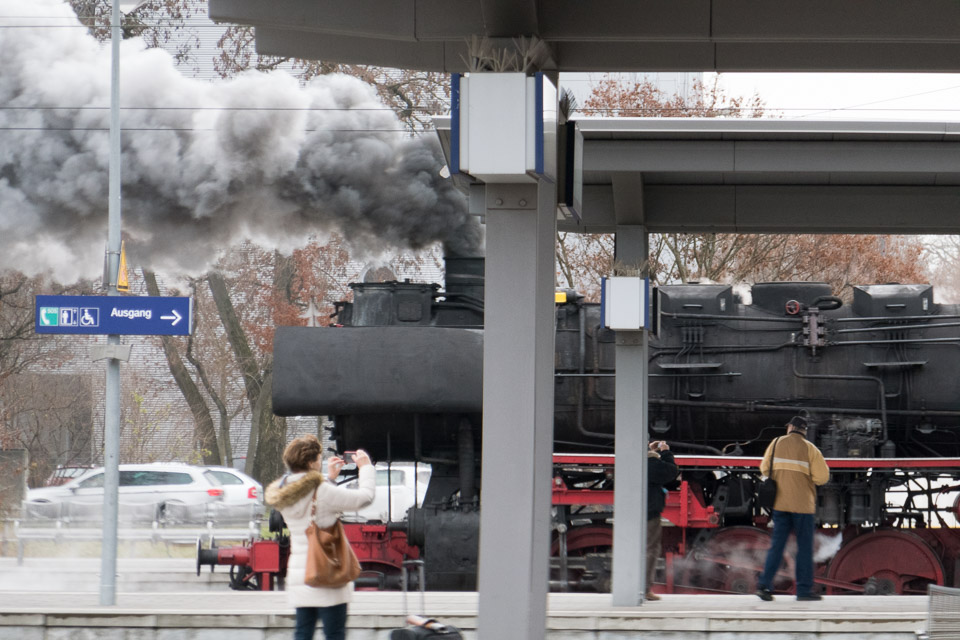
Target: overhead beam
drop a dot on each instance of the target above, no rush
(779, 209)
(627, 191)
(390, 19)
(727, 21)
(773, 156)
(828, 20)
(802, 209)
(507, 18)
(430, 56)
(624, 35)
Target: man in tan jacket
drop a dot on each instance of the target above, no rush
(798, 468)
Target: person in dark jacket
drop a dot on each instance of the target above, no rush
(662, 472)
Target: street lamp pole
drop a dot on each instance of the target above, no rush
(111, 427)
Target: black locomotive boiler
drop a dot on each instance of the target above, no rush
(401, 376)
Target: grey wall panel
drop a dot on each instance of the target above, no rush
(848, 209)
(690, 209)
(625, 20)
(860, 157)
(634, 56)
(658, 155)
(837, 56)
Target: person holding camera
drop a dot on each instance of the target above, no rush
(662, 471)
(798, 468)
(305, 495)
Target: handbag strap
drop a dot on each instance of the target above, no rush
(313, 511)
(773, 456)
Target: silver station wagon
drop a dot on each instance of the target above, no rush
(165, 492)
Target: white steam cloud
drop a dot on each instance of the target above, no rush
(204, 164)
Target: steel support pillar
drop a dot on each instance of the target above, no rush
(518, 362)
(630, 428)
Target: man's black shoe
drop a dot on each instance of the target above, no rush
(765, 594)
(812, 596)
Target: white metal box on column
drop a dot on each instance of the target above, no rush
(504, 127)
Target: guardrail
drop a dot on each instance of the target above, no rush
(164, 522)
(943, 614)
(133, 514)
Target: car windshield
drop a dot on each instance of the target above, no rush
(396, 477)
(93, 482)
(149, 478)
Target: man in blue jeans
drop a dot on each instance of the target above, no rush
(798, 468)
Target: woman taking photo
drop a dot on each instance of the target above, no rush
(300, 496)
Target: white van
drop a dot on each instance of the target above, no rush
(401, 486)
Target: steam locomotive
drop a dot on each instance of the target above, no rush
(400, 375)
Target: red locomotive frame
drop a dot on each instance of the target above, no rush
(700, 555)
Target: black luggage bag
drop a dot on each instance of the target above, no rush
(418, 633)
(422, 627)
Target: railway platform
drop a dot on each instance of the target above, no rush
(250, 615)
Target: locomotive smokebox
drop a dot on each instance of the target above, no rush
(370, 370)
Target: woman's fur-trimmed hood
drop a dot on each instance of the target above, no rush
(293, 491)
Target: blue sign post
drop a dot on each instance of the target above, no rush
(114, 315)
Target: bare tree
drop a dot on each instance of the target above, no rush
(205, 436)
(674, 257)
(48, 414)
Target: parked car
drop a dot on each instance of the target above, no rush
(398, 488)
(242, 497)
(65, 473)
(171, 492)
(238, 487)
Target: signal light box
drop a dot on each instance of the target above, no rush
(503, 126)
(625, 303)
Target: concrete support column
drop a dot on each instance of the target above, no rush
(518, 361)
(630, 481)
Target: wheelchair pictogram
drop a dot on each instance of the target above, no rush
(89, 317)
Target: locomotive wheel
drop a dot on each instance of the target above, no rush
(729, 562)
(586, 542)
(242, 578)
(589, 539)
(886, 562)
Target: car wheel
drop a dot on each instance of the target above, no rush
(172, 512)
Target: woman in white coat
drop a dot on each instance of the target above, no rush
(293, 496)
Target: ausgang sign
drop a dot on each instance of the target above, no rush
(114, 315)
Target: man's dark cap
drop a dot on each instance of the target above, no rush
(798, 422)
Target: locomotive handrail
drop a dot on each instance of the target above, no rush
(709, 316)
(889, 318)
(841, 343)
(898, 327)
(748, 462)
(850, 378)
(752, 406)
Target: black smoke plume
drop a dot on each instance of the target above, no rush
(204, 164)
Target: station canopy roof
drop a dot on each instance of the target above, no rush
(729, 175)
(615, 35)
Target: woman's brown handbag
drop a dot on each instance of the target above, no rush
(330, 560)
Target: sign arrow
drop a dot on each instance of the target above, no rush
(176, 317)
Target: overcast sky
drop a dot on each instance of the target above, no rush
(826, 96)
(860, 96)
